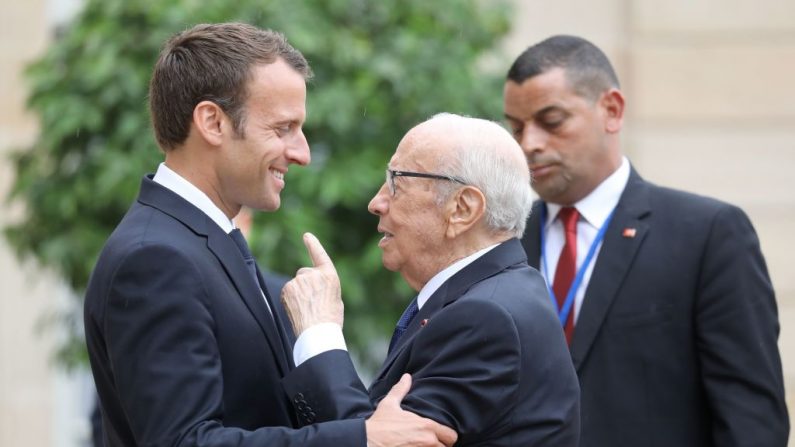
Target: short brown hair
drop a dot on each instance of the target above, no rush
(211, 62)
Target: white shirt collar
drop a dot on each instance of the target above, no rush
(433, 285)
(596, 206)
(185, 189)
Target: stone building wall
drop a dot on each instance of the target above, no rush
(711, 109)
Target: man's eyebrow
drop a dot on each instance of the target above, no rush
(287, 121)
(548, 109)
(544, 111)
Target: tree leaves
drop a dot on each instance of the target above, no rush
(380, 68)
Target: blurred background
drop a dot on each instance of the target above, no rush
(711, 109)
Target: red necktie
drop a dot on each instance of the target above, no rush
(567, 265)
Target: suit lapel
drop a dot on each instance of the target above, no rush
(227, 253)
(281, 320)
(229, 256)
(496, 260)
(425, 313)
(612, 264)
(531, 241)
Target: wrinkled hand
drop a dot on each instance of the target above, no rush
(391, 426)
(313, 296)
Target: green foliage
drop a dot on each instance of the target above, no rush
(380, 68)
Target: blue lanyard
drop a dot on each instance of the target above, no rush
(563, 312)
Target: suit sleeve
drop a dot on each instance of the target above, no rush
(326, 387)
(465, 366)
(737, 332)
(166, 365)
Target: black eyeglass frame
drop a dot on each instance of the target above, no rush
(392, 173)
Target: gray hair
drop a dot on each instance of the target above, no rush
(483, 154)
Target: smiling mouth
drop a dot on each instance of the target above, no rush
(279, 175)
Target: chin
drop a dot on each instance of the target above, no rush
(271, 204)
(266, 208)
(388, 265)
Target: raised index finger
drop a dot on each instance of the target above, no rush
(316, 251)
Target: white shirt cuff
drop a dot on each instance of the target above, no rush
(316, 340)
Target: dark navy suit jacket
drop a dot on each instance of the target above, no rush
(487, 356)
(182, 346)
(675, 344)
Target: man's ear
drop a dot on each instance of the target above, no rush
(465, 210)
(209, 121)
(612, 103)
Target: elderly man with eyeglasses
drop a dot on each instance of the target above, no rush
(481, 340)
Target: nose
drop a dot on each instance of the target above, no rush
(297, 151)
(379, 204)
(532, 140)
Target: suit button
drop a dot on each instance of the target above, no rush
(298, 397)
(301, 405)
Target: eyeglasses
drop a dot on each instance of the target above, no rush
(391, 174)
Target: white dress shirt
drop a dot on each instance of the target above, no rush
(315, 340)
(185, 189)
(594, 210)
(433, 285)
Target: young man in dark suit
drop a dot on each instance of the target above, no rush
(664, 295)
(481, 339)
(187, 346)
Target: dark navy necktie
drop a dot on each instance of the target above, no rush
(403, 323)
(242, 245)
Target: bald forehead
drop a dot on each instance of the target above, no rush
(436, 140)
(424, 143)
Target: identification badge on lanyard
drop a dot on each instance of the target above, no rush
(565, 309)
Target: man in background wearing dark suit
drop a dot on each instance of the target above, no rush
(481, 340)
(187, 345)
(664, 295)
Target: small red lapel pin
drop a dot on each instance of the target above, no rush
(423, 322)
(629, 232)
